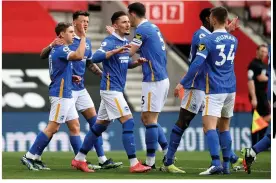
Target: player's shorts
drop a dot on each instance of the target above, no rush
(82, 100)
(62, 109)
(219, 105)
(113, 105)
(193, 100)
(154, 95)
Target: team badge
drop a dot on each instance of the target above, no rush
(201, 47)
(138, 36)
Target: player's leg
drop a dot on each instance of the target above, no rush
(211, 113)
(85, 105)
(251, 153)
(190, 105)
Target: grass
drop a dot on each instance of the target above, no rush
(192, 162)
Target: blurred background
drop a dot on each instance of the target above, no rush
(29, 26)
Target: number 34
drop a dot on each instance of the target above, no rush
(230, 56)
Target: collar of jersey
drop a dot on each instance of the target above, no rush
(220, 30)
(206, 30)
(146, 20)
(118, 37)
(77, 37)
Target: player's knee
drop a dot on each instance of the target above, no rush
(148, 118)
(74, 128)
(184, 119)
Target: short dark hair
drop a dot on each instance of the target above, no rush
(79, 13)
(261, 46)
(61, 27)
(138, 8)
(204, 13)
(117, 15)
(220, 13)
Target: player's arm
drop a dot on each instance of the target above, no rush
(46, 51)
(136, 63)
(106, 51)
(137, 41)
(93, 68)
(232, 26)
(251, 86)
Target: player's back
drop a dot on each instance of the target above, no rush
(115, 68)
(79, 67)
(153, 49)
(219, 70)
(60, 72)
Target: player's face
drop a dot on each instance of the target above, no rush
(123, 25)
(212, 20)
(262, 53)
(81, 20)
(69, 35)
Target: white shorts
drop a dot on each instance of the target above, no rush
(154, 95)
(62, 109)
(193, 100)
(219, 105)
(113, 105)
(83, 100)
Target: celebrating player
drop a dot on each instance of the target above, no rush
(60, 91)
(114, 55)
(83, 101)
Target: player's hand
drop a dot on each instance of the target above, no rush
(82, 32)
(141, 60)
(233, 25)
(57, 41)
(76, 79)
(122, 49)
(109, 29)
(177, 89)
(254, 103)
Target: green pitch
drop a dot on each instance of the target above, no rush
(192, 162)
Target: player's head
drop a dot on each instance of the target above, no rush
(120, 22)
(136, 11)
(65, 31)
(205, 18)
(81, 17)
(262, 52)
(219, 16)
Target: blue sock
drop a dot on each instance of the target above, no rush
(99, 142)
(128, 138)
(263, 144)
(40, 151)
(233, 157)
(162, 140)
(151, 139)
(175, 139)
(40, 143)
(213, 144)
(91, 137)
(75, 143)
(226, 143)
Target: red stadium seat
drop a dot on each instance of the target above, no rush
(266, 14)
(235, 4)
(268, 26)
(253, 3)
(256, 11)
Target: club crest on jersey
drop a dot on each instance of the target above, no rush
(103, 44)
(201, 47)
(138, 36)
(87, 46)
(66, 49)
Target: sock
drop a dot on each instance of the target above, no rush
(99, 142)
(128, 138)
(40, 143)
(151, 141)
(133, 161)
(226, 143)
(40, 151)
(175, 139)
(80, 156)
(91, 137)
(213, 144)
(75, 143)
(162, 139)
(102, 159)
(263, 144)
(233, 157)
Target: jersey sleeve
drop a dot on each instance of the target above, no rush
(100, 54)
(140, 37)
(203, 48)
(64, 52)
(253, 71)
